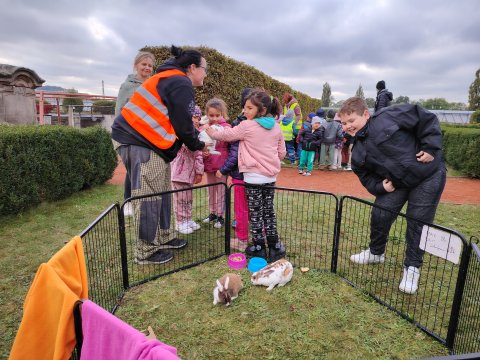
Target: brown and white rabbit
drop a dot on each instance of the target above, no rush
(278, 273)
(227, 289)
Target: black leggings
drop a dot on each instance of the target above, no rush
(261, 214)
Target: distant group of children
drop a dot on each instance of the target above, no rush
(236, 154)
(319, 139)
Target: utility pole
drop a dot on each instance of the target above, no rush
(103, 88)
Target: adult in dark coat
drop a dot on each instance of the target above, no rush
(397, 155)
(384, 97)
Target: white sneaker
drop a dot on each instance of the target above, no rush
(348, 168)
(300, 172)
(193, 225)
(366, 257)
(128, 209)
(184, 228)
(409, 283)
(306, 174)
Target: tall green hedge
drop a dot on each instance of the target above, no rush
(227, 78)
(50, 163)
(461, 146)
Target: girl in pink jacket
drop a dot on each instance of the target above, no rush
(216, 111)
(187, 170)
(261, 149)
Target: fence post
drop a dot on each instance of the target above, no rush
(336, 234)
(457, 299)
(123, 246)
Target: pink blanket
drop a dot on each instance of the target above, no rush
(107, 337)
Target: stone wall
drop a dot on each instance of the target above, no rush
(17, 94)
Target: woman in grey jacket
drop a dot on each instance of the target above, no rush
(397, 155)
(142, 70)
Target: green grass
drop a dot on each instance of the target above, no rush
(316, 315)
(31, 238)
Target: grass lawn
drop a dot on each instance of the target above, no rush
(325, 300)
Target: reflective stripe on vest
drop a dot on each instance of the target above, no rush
(287, 131)
(147, 114)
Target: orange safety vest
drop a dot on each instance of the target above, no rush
(147, 113)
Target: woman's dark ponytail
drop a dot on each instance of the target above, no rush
(185, 58)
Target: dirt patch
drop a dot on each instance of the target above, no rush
(458, 190)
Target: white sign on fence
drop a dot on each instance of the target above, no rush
(441, 243)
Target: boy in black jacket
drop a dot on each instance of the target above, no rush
(310, 140)
(397, 155)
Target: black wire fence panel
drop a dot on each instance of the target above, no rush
(319, 232)
(101, 242)
(467, 337)
(430, 307)
(204, 244)
(306, 226)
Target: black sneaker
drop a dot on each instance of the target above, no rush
(219, 222)
(256, 251)
(159, 257)
(175, 243)
(210, 218)
(276, 252)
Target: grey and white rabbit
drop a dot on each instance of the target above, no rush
(278, 273)
(227, 289)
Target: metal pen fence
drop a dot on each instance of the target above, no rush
(320, 232)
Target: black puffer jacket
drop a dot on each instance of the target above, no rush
(311, 140)
(384, 99)
(386, 148)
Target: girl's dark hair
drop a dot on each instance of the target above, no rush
(263, 101)
(185, 58)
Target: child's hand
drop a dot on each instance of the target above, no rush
(388, 186)
(205, 151)
(197, 179)
(218, 174)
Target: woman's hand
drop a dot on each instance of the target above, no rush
(388, 186)
(424, 157)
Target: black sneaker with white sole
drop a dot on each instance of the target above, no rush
(276, 251)
(253, 250)
(210, 218)
(159, 257)
(175, 243)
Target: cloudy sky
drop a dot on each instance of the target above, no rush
(421, 48)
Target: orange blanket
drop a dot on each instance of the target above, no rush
(47, 328)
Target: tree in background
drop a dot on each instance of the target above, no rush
(359, 92)
(326, 95)
(474, 93)
(370, 102)
(77, 102)
(104, 107)
(401, 100)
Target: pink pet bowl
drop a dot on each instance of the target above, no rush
(237, 261)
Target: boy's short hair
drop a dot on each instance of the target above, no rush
(330, 114)
(353, 105)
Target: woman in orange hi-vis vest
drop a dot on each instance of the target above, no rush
(148, 133)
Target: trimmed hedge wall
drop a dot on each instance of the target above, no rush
(461, 146)
(50, 163)
(226, 78)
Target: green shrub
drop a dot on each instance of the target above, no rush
(228, 77)
(475, 117)
(462, 149)
(104, 107)
(51, 163)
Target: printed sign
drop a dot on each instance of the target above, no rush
(441, 243)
